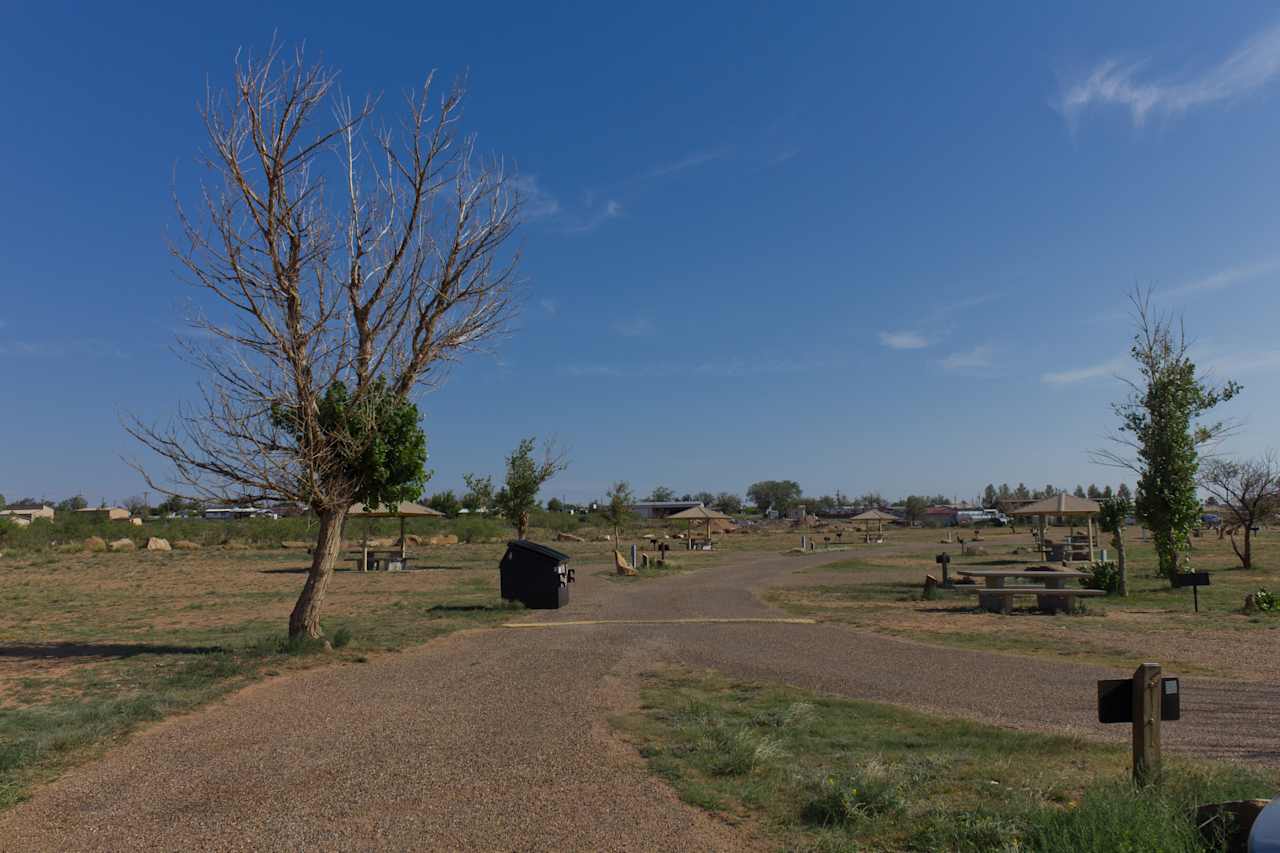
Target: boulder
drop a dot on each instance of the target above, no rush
(123, 545)
(155, 543)
(443, 539)
(411, 539)
(623, 565)
(569, 537)
(135, 521)
(295, 545)
(95, 544)
(1230, 822)
(186, 545)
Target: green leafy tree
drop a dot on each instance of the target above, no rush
(1111, 518)
(778, 495)
(727, 503)
(1161, 432)
(1022, 493)
(1080, 492)
(616, 508)
(706, 498)
(915, 506)
(1124, 492)
(661, 493)
(1107, 493)
(446, 502)
(990, 496)
(479, 494)
(525, 477)
(72, 504)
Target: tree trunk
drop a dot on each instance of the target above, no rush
(305, 619)
(1248, 546)
(522, 525)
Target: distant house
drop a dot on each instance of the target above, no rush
(227, 513)
(26, 513)
(940, 516)
(104, 513)
(661, 509)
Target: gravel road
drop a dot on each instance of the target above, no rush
(498, 739)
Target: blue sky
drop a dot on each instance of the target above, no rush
(863, 247)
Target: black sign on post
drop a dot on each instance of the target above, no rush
(944, 559)
(1195, 580)
(1115, 700)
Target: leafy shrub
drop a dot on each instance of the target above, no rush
(1104, 576)
(471, 530)
(342, 637)
(1266, 601)
(845, 799)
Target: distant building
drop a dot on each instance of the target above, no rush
(26, 513)
(227, 513)
(941, 516)
(105, 513)
(661, 509)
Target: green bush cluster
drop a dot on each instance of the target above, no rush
(1104, 576)
(1266, 601)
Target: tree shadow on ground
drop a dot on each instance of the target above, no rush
(46, 651)
(469, 608)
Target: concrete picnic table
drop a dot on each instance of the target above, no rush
(1053, 578)
(1053, 596)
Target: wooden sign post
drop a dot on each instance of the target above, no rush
(1146, 722)
(1143, 701)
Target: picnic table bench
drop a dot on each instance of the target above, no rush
(1052, 595)
(374, 560)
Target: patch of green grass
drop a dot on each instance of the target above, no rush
(823, 773)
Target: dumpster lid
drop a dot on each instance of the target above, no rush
(537, 548)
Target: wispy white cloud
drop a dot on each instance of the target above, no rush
(975, 359)
(594, 217)
(1232, 364)
(784, 155)
(1083, 374)
(903, 340)
(1252, 65)
(537, 202)
(635, 327)
(1223, 279)
(698, 158)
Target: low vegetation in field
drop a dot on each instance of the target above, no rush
(882, 591)
(817, 773)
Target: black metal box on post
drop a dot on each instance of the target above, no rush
(535, 575)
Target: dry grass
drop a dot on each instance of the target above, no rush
(881, 592)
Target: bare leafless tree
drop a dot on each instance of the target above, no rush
(1248, 494)
(329, 250)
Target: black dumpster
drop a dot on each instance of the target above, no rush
(535, 575)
